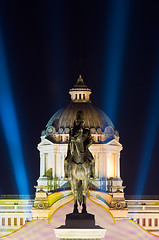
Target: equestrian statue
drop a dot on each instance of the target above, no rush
(79, 164)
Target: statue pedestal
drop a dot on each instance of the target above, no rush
(80, 226)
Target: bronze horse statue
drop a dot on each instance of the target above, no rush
(79, 164)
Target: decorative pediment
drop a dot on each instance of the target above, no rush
(46, 142)
(114, 143)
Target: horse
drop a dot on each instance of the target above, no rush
(79, 165)
(79, 180)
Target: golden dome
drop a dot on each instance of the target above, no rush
(94, 118)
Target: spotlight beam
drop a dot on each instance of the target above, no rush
(10, 125)
(114, 52)
(151, 132)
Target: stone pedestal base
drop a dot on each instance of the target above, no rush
(80, 226)
(80, 220)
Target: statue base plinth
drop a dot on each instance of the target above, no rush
(80, 220)
(80, 226)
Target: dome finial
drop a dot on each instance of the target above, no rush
(80, 79)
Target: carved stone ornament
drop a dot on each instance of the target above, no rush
(66, 130)
(93, 130)
(60, 130)
(50, 130)
(99, 130)
(109, 131)
(41, 205)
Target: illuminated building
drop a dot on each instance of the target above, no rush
(14, 213)
(106, 150)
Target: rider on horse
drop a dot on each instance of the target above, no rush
(79, 160)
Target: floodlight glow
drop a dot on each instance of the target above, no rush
(114, 52)
(10, 125)
(151, 132)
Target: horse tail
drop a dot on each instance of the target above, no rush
(80, 197)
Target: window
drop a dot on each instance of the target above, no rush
(143, 222)
(137, 220)
(156, 222)
(150, 222)
(83, 96)
(21, 221)
(55, 166)
(3, 221)
(76, 96)
(79, 96)
(15, 221)
(9, 221)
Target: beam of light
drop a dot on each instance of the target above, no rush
(118, 19)
(149, 141)
(10, 125)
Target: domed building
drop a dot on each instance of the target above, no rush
(105, 148)
(106, 189)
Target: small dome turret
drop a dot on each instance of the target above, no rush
(80, 92)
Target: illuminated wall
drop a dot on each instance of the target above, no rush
(111, 165)
(107, 160)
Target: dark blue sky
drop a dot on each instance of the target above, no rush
(42, 46)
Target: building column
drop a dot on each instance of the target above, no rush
(42, 169)
(58, 162)
(45, 163)
(61, 165)
(96, 164)
(99, 166)
(12, 221)
(53, 165)
(18, 221)
(118, 164)
(106, 165)
(63, 157)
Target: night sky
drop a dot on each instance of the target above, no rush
(47, 44)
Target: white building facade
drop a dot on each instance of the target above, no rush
(14, 213)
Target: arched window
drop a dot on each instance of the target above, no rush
(21, 221)
(83, 96)
(156, 222)
(79, 96)
(143, 222)
(3, 221)
(15, 221)
(150, 222)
